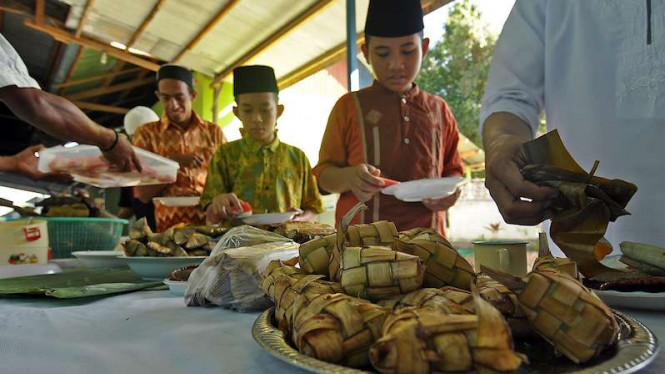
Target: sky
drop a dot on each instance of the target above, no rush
(494, 13)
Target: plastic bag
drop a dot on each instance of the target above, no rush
(230, 278)
(244, 236)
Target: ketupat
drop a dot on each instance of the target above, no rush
(315, 255)
(444, 266)
(563, 311)
(336, 328)
(381, 233)
(424, 340)
(426, 298)
(545, 260)
(377, 273)
(506, 302)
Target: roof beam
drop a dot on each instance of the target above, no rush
(96, 78)
(84, 17)
(100, 108)
(209, 26)
(335, 54)
(106, 90)
(2, 19)
(283, 31)
(39, 11)
(146, 21)
(54, 61)
(65, 37)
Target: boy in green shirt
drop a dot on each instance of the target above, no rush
(259, 169)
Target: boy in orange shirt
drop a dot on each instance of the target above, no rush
(392, 129)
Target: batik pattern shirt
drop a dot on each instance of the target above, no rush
(167, 139)
(272, 178)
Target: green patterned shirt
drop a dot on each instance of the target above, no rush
(273, 177)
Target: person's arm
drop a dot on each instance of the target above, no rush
(62, 119)
(332, 171)
(514, 98)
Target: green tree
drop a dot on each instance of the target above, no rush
(457, 67)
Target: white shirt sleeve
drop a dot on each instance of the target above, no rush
(516, 78)
(13, 71)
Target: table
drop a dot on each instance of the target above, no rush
(150, 332)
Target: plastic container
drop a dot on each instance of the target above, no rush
(69, 234)
(86, 165)
(24, 242)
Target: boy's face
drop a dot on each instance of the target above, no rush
(258, 113)
(176, 98)
(396, 61)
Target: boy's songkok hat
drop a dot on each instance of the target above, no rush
(254, 78)
(394, 18)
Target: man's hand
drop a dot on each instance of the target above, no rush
(25, 163)
(188, 160)
(444, 203)
(363, 182)
(122, 155)
(519, 201)
(223, 207)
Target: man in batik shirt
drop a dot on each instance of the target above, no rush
(259, 169)
(182, 136)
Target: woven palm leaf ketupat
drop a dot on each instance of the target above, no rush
(505, 300)
(382, 233)
(425, 298)
(461, 297)
(444, 266)
(424, 340)
(376, 273)
(564, 312)
(315, 254)
(545, 260)
(337, 328)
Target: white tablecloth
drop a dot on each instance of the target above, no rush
(149, 332)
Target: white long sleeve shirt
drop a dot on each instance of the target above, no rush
(597, 69)
(13, 71)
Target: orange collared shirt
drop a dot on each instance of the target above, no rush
(167, 139)
(409, 136)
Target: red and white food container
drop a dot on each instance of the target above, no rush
(24, 242)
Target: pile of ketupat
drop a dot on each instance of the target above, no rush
(180, 240)
(432, 313)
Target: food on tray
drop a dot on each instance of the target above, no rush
(376, 273)
(178, 241)
(315, 254)
(421, 329)
(443, 265)
(563, 311)
(545, 260)
(302, 232)
(182, 274)
(426, 298)
(231, 278)
(424, 340)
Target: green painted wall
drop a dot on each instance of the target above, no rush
(202, 104)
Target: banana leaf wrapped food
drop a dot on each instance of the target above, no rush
(444, 266)
(336, 328)
(506, 302)
(564, 312)
(382, 233)
(424, 340)
(426, 298)
(585, 205)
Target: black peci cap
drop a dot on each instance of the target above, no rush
(254, 78)
(394, 18)
(176, 72)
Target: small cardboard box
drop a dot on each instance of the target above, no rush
(23, 242)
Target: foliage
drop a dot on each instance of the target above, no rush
(457, 67)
